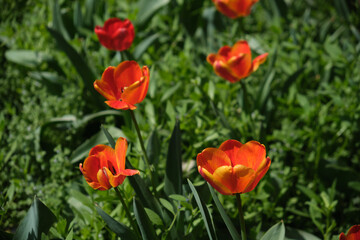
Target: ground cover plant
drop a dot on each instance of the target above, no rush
(301, 103)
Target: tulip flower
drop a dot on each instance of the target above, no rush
(352, 234)
(234, 8)
(104, 168)
(233, 168)
(116, 34)
(234, 63)
(124, 86)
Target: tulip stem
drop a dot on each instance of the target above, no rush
(241, 217)
(143, 148)
(127, 212)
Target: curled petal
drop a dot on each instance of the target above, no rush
(104, 154)
(120, 151)
(240, 65)
(106, 86)
(137, 91)
(352, 234)
(241, 47)
(257, 61)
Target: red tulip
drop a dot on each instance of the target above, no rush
(234, 63)
(124, 86)
(104, 168)
(116, 34)
(234, 8)
(233, 167)
(352, 234)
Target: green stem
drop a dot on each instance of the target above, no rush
(134, 226)
(241, 217)
(143, 148)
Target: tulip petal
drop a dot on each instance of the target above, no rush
(353, 233)
(104, 154)
(106, 86)
(242, 177)
(104, 38)
(126, 73)
(242, 8)
(262, 170)
(342, 236)
(257, 61)
(211, 58)
(214, 182)
(251, 154)
(224, 71)
(239, 47)
(138, 90)
(120, 152)
(129, 172)
(120, 105)
(240, 65)
(225, 9)
(212, 158)
(231, 147)
(90, 168)
(103, 178)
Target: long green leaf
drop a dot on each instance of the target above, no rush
(147, 8)
(276, 232)
(144, 223)
(120, 229)
(173, 172)
(87, 75)
(27, 58)
(204, 212)
(58, 24)
(38, 220)
(153, 148)
(296, 234)
(144, 44)
(233, 232)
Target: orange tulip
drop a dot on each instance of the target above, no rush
(352, 234)
(104, 168)
(233, 167)
(234, 63)
(234, 8)
(124, 86)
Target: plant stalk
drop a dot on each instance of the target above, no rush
(143, 149)
(241, 217)
(127, 212)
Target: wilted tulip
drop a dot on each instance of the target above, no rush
(234, 63)
(234, 8)
(233, 167)
(124, 86)
(104, 168)
(116, 34)
(352, 234)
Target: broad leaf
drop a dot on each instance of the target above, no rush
(276, 232)
(120, 229)
(38, 220)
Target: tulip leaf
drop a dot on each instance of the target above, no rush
(77, 17)
(120, 229)
(144, 223)
(173, 173)
(144, 44)
(87, 75)
(27, 58)
(38, 220)
(58, 24)
(147, 8)
(153, 148)
(296, 234)
(108, 137)
(276, 232)
(233, 232)
(204, 212)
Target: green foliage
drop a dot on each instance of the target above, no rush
(302, 104)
